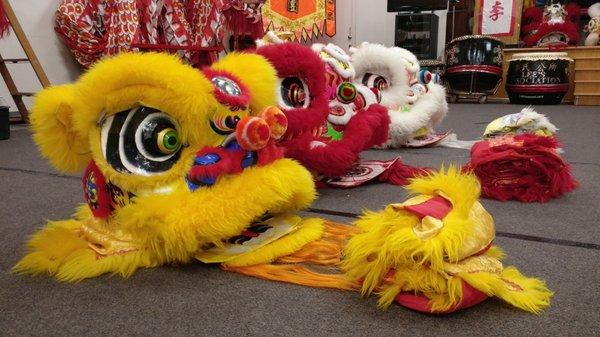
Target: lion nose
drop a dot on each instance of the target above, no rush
(253, 133)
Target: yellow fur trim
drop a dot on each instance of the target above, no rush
(529, 294)
(310, 230)
(259, 77)
(53, 132)
(388, 236)
(58, 250)
(171, 228)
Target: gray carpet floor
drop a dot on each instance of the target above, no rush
(558, 241)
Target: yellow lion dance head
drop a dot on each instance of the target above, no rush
(175, 160)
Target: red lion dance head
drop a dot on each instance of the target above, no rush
(326, 137)
(301, 92)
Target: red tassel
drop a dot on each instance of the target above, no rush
(400, 173)
(4, 23)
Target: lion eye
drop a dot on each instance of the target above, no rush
(142, 141)
(375, 81)
(293, 93)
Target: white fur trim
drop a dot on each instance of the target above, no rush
(428, 111)
(594, 10)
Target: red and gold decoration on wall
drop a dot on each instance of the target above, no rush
(95, 28)
(306, 19)
(498, 18)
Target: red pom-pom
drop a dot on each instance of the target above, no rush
(252, 133)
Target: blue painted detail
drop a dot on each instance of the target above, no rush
(233, 146)
(205, 182)
(249, 159)
(207, 159)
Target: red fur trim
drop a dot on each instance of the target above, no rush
(573, 12)
(524, 167)
(568, 28)
(365, 130)
(296, 60)
(230, 161)
(4, 23)
(234, 102)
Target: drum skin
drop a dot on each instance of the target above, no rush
(538, 78)
(474, 58)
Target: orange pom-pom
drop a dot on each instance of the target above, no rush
(252, 133)
(277, 121)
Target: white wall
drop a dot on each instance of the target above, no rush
(37, 20)
(368, 20)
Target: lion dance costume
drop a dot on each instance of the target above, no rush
(331, 120)
(182, 164)
(519, 159)
(415, 105)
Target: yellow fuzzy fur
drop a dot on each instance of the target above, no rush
(166, 227)
(534, 297)
(387, 242)
(259, 77)
(65, 148)
(388, 237)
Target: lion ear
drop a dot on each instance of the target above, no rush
(54, 130)
(256, 73)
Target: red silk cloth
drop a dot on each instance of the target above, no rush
(524, 167)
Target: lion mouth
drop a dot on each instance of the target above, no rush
(212, 163)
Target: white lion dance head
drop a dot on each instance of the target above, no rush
(415, 105)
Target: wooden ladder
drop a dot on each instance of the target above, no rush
(30, 58)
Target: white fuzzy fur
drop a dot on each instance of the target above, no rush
(338, 54)
(594, 10)
(393, 63)
(428, 111)
(594, 25)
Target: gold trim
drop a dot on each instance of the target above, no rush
(540, 56)
(467, 37)
(426, 63)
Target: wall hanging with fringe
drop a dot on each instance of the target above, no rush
(96, 28)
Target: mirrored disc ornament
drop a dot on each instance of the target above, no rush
(226, 85)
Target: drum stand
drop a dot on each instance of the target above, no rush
(481, 97)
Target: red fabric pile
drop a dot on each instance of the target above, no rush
(524, 167)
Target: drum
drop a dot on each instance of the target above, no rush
(538, 78)
(436, 68)
(474, 65)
